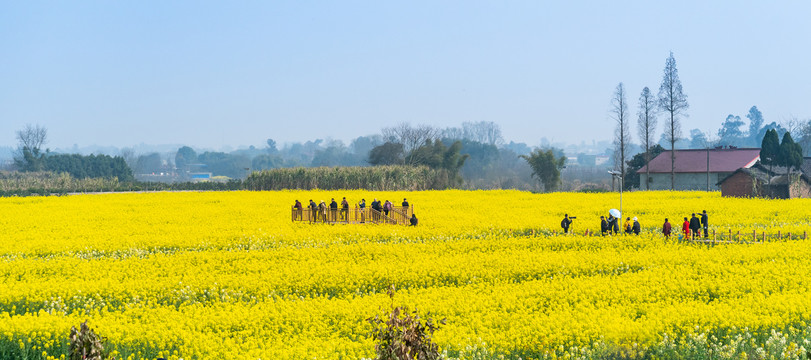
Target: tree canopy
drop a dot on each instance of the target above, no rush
(546, 167)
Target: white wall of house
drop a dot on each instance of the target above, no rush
(684, 181)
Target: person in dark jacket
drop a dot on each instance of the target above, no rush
(414, 220)
(610, 221)
(405, 205)
(695, 226)
(375, 205)
(565, 223)
(636, 227)
(313, 211)
(603, 225)
(615, 226)
(362, 209)
(666, 228)
(298, 208)
(345, 209)
(704, 223)
(333, 210)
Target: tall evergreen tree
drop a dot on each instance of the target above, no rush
(790, 154)
(770, 149)
(673, 101)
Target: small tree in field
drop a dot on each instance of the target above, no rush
(546, 167)
(401, 335)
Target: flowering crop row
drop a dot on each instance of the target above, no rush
(227, 275)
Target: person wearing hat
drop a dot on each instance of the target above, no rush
(636, 226)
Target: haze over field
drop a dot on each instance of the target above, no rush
(211, 74)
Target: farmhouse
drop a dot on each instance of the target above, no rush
(697, 169)
(771, 182)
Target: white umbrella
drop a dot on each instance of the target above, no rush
(615, 213)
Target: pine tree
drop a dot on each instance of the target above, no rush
(790, 154)
(770, 148)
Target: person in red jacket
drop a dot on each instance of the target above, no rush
(666, 228)
(685, 228)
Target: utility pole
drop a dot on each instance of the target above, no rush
(617, 174)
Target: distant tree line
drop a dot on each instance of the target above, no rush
(31, 157)
(378, 178)
(474, 155)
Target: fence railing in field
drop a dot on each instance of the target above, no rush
(727, 236)
(398, 215)
(747, 237)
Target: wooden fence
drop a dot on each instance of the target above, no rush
(728, 236)
(398, 215)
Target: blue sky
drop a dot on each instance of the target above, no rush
(212, 74)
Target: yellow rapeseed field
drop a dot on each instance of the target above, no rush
(227, 275)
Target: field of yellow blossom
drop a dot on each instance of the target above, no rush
(227, 275)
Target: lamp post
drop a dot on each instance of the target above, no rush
(618, 175)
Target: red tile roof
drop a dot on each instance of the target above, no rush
(695, 160)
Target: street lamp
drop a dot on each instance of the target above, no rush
(618, 175)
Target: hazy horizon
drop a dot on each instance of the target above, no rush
(210, 74)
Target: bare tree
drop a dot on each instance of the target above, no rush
(411, 137)
(453, 133)
(647, 126)
(30, 140)
(32, 137)
(804, 137)
(129, 156)
(622, 134)
(485, 132)
(672, 101)
(792, 124)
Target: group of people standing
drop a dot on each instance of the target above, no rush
(611, 226)
(321, 212)
(691, 228)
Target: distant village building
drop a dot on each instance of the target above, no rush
(774, 182)
(601, 160)
(697, 169)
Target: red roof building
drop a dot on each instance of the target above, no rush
(697, 169)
